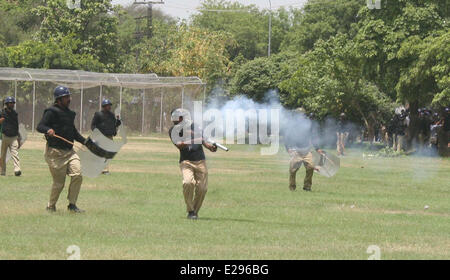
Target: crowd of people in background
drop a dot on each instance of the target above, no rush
(432, 129)
(424, 131)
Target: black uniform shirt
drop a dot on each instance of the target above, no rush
(61, 120)
(106, 122)
(192, 152)
(10, 126)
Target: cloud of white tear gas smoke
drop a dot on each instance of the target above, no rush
(243, 121)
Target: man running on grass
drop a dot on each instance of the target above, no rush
(192, 160)
(300, 136)
(58, 121)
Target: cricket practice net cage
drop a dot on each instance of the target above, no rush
(145, 100)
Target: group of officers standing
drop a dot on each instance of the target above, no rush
(58, 126)
(432, 129)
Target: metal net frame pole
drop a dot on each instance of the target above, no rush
(120, 99)
(143, 112)
(100, 98)
(161, 113)
(34, 106)
(81, 109)
(204, 93)
(204, 97)
(182, 97)
(15, 93)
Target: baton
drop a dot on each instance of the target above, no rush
(92, 146)
(64, 139)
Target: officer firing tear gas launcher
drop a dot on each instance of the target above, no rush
(188, 138)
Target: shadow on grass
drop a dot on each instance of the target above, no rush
(227, 220)
(247, 221)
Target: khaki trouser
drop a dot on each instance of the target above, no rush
(297, 158)
(394, 142)
(106, 170)
(399, 143)
(341, 142)
(195, 179)
(12, 144)
(62, 163)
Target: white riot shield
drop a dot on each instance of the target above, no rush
(23, 134)
(23, 137)
(327, 164)
(92, 165)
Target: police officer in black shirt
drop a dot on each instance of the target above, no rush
(106, 122)
(9, 122)
(192, 160)
(57, 124)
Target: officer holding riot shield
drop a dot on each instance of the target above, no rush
(58, 126)
(106, 122)
(299, 136)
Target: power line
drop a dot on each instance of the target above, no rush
(139, 34)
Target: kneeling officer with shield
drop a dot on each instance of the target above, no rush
(58, 126)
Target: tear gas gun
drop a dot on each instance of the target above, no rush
(212, 142)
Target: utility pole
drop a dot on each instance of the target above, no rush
(149, 32)
(270, 28)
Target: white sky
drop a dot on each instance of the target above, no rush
(184, 8)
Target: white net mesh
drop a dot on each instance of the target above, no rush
(145, 100)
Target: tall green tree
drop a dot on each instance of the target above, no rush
(58, 53)
(248, 25)
(321, 19)
(93, 25)
(393, 41)
(429, 72)
(382, 32)
(329, 81)
(257, 77)
(17, 21)
(185, 51)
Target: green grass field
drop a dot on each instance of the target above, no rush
(138, 211)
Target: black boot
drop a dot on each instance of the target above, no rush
(192, 215)
(73, 208)
(18, 173)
